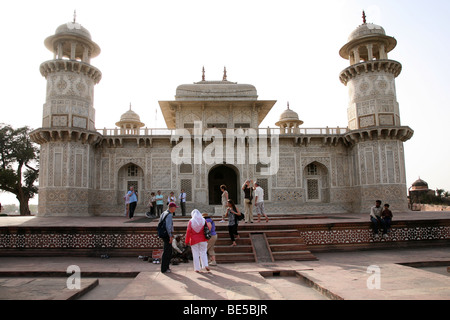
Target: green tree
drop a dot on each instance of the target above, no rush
(19, 158)
(440, 193)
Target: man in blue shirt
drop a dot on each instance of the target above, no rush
(133, 201)
(159, 203)
(183, 202)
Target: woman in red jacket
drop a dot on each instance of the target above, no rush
(195, 237)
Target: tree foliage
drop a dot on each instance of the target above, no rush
(19, 158)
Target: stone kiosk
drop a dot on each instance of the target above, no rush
(86, 171)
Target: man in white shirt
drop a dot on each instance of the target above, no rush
(182, 198)
(375, 216)
(180, 250)
(259, 202)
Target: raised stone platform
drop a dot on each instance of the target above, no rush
(288, 237)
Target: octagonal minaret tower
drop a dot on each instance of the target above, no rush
(375, 134)
(370, 78)
(70, 78)
(68, 133)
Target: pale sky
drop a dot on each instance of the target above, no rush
(289, 50)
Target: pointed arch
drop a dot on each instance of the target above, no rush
(316, 181)
(129, 175)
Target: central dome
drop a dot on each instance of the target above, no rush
(215, 90)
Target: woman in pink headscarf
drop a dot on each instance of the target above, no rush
(195, 237)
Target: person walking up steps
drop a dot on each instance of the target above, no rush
(212, 241)
(231, 213)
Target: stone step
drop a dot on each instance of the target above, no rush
(235, 257)
(294, 255)
(285, 240)
(270, 233)
(283, 244)
(287, 247)
(233, 249)
(226, 241)
(281, 233)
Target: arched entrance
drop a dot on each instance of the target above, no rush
(131, 175)
(222, 174)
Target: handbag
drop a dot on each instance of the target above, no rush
(206, 231)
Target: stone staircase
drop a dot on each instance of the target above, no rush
(261, 245)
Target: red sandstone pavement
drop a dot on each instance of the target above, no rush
(340, 275)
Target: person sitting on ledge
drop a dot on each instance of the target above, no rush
(375, 217)
(386, 219)
(180, 251)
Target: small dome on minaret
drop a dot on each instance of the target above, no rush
(71, 40)
(367, 42)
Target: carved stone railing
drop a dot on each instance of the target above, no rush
(117, 132)
(145, 136)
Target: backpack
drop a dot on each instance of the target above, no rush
(207, 231)
(162, 231)
(239, 217)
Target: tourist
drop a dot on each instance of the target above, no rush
(195, 237)
(133, 201)
(159, 203)
(171, 198)
(182, 198)
(180, 250)
(167, 253)
(127, 204)
(375, 217)
(259, 202)
(231, 213)
(224, 198)
(386, 219)
(248, 197)
(152, 206)
(212, 240)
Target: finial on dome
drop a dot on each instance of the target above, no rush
(74, 16)
(203, 73)
(364, 17)
(224, 74)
